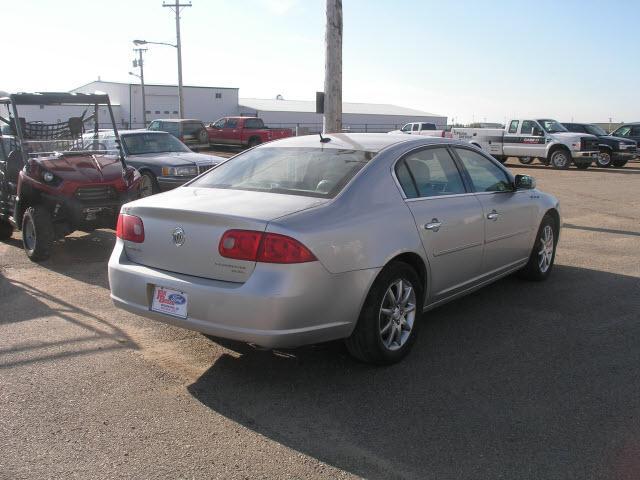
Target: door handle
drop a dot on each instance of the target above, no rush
(493, 216)
(434, 225)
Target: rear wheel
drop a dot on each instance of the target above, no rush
(560, 159)
(37, 233)
(389, 320)
(544, 251)
(6, 230)
(603, 159)
(148, 184)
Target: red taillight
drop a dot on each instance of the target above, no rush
(263, 247)
(130, 228)
(240, 244)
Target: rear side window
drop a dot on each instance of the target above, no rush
(406, 182)
(485, 175)
(253, 123)
(433, 172)
(415, 127)
(169, 127)
(635, 132)
(313, 172)
(513, 127)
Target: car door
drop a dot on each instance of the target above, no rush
(508, 214)
(530, 140)
(215, 131)
(635, 133)
(231, 132)
(448, 217)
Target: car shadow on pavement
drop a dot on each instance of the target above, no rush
(22, 303)
(518, 380)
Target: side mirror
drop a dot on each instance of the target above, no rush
(524, 182)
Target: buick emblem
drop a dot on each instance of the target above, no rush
(179, 236)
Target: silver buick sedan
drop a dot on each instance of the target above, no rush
(350, 236)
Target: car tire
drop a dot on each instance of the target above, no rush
(603, 160)
(148, 184)
(543, 253)
(560, 159)
(619, 163)
(253, 142)
(37, 233)
(525, 160)
(6, 230)
(387, 326)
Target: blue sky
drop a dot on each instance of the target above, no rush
(469, 60)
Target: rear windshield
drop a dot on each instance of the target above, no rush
(191, 128)
(314, 172)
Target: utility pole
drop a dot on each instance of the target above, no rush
(332, 120)
(176, 8)
(144, 98)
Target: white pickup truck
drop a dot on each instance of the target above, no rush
(426, 129)
(526, 139)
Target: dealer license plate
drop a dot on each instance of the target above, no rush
(170, 302)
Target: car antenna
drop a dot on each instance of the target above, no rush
(323, 139)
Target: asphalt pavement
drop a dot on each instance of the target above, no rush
(516, 381)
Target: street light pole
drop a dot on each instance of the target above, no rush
(144, 98)
(176, 8)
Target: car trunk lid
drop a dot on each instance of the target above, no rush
(183, 228)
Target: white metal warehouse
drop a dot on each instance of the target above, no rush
(210, 103)
(356, 117)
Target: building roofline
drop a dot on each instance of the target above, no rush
(155, 85)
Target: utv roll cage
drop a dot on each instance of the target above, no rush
(72, 129)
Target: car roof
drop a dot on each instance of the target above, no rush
(370, 142)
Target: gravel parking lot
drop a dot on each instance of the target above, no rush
(516, 381)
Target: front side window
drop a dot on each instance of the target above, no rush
(433, 172)
(622, 131)
(231, 124)
(527, 127)
(313, 172)
(513, 127)
(595, 130)
(485, 175)
(406, 128)
(155, 125)
(219, 123)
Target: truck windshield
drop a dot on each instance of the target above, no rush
(141, 143)
(551, 126)
(312, 172)
(595, 130)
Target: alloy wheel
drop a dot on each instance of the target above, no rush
(545, 254)
(397, 314)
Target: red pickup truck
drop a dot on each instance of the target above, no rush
(243, 131)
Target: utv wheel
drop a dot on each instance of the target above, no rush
(37, 233)
(6, 230)
(544, 252)
(560, 159)
(148, 184)
(525, 160)
(603, 160)
(389, 320)
(619, 163)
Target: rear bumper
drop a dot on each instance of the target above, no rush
(279, 306)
